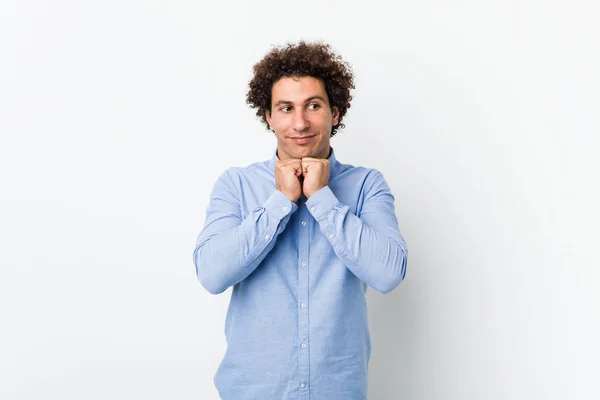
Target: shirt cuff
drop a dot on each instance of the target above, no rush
(279, 205)
(321, 202)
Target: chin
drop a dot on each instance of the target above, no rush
(309, 153)
(302, 152)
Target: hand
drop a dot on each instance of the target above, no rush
(287, 178)
(316, 174)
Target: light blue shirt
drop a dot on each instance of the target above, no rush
(296, 327)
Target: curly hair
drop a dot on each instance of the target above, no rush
(297, 60)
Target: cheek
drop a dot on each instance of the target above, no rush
(325, 119)
(281, 124)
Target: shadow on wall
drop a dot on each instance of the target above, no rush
(394, 325)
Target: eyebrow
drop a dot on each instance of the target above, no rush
(317, 97)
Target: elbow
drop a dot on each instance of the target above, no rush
(396, 275)
(388, 285)
(210, 285)
(208, 280)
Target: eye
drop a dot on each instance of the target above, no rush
(314, 106)
(285, 109)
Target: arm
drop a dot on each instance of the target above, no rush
(370, 244)
(228, 249)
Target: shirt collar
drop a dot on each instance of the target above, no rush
(331, 158)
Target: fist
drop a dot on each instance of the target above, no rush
(316, 174)
(287, 178)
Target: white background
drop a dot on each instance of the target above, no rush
(116, 117)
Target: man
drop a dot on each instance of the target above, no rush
(299, 237)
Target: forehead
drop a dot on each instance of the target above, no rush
(297, 89)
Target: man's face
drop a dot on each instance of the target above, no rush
(301, 117)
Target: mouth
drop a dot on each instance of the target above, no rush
(302, 139)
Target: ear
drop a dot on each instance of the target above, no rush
(336, 116)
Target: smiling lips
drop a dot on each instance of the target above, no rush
(302, 139)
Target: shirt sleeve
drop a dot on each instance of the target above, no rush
(370, 244)
(229, 248)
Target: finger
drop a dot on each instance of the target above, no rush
(293, 164)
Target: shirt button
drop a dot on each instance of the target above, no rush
(331, 236)
(267, 237)
(313, 209)
(303, 345)
(284, 208)
(303, 305)
(303, 264)
(303, 385)
(303, 223)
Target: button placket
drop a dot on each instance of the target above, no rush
(303, 290)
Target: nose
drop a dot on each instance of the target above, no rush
(300, 121)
